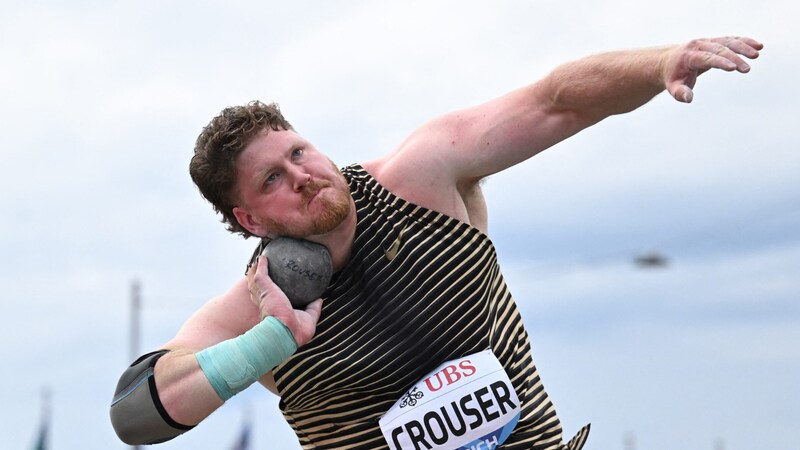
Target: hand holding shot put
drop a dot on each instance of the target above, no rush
(418, 291)
(272, 301)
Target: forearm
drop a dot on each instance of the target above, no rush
(194, 384)
(611, 83)
(166, 393)
(505, 131)
(185, 391)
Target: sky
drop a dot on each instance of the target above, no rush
(102, 101)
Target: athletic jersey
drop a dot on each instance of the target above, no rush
(420, 289)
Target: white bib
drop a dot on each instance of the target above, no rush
(468, 403)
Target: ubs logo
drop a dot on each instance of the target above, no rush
(411, 397)
(450, 375)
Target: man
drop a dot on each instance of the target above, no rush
(417, 298)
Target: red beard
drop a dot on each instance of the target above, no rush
(333, 206)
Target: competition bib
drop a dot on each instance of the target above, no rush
(464, 404)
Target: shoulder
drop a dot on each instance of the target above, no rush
(422, 181)
(427, 159)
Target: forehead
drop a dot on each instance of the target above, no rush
(272, 141)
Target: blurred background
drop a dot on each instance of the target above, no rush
(655, 256)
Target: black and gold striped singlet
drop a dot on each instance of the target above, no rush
(420, 289)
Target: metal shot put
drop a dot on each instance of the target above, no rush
(302, 269)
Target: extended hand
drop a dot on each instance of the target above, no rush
(271, 301)
(684, 63)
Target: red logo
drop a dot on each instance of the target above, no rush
(450, 374)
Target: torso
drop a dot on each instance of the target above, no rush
(386, 322)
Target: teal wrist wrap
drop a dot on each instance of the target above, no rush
(233, 365)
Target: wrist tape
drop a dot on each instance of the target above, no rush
(233, 365)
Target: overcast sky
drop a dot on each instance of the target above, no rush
(102, 101)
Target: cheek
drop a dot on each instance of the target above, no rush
(281, 204)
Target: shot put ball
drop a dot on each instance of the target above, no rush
(302, 269)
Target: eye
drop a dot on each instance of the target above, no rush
(296, 153)
(271, 179)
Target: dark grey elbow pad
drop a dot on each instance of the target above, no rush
(137, 414)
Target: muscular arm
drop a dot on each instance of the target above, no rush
(218, 352)
(184, 390)
(452, 153)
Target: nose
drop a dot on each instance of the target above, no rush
(299, 179)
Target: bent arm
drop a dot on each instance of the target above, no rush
(165, 393)
(184, 390)
(231, 342)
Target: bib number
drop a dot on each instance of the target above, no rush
(465, 404)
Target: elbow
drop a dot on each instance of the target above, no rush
(136, 412)
(137, 426)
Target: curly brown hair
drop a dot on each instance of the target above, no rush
(213, 166)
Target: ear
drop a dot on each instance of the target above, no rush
(249, 222)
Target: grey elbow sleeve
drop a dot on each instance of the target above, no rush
(137, 415)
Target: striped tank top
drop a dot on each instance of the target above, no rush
(420, 289)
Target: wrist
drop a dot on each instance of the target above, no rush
(661, 67)
(233, 365)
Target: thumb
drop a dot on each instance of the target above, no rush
(681, 92)
(314, 309)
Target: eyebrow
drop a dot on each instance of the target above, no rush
(262, 174)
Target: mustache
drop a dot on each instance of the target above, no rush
(314, 186)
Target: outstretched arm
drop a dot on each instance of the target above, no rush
(579, 94)
(470, 144)
(619, 82)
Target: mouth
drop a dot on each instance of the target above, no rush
(313, 190)
(312, 195)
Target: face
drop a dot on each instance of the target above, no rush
(287, 188)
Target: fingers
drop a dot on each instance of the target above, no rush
(743, 45)
(272, 301)
(722, 53)
(261, 277)
(700, 55)
(263, 291)
(255, 278)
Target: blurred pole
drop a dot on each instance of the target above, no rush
(136, 306)
(42, 440)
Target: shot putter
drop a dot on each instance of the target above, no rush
(302, 269)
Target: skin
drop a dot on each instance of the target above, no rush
(439, 166)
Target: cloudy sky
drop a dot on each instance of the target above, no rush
(101, 103)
